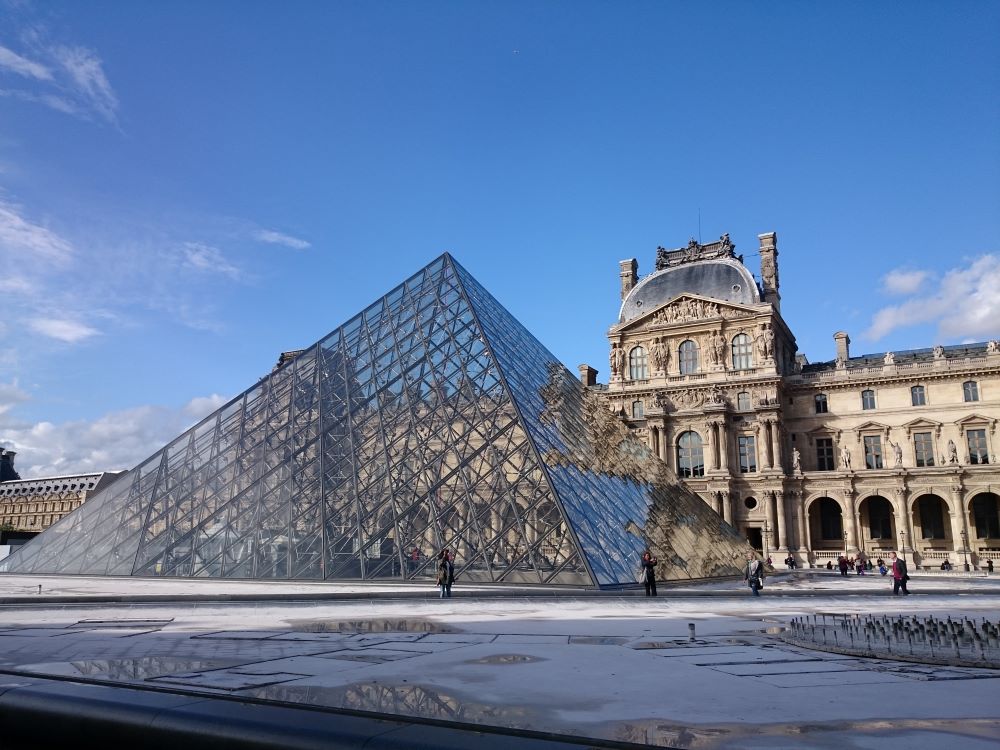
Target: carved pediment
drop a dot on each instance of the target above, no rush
(823, 431)
(976, 421)
(685, 308)
(922, 425)
(870, 427)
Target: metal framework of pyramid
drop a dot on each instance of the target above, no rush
(432, 419)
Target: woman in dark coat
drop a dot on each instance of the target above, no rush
(446, 573)
(649, 573)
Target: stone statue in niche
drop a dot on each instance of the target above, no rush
(845, 458)
(660, 355)
(952, 452)
(889, 359)
(796, 460)
(717, 348)
(767, 342)
(617, 361)
(897, 452)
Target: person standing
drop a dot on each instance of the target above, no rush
(753, 574)
(649, 573)
(899, 575)
(446, 573)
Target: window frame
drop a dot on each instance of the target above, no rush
(874, 453)
(741, 349)
(868, 402)
(922, 440)
(746, 448)
(978, 458)
(825, 462)
(690, 455)
(687, 357)
(918, 395)
(973, 391)
(821, 399)
(638, 363)
(638, 409)
(743, 402)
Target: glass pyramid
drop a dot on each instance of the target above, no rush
(432, 419)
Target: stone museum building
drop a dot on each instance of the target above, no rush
(858, 455)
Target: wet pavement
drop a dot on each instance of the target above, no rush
(620, 668)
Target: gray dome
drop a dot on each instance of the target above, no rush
(722, 279)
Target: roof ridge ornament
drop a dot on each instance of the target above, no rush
(695, 251)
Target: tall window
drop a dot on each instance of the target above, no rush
(742, 352)
(917, 396)
(638, 364)
(748, 453)
(743, 401)
(873, 451)
(690, 459)
(977, 446)
(923, 448)
(821, 405)
(824, 454)
(868, 399)
(970, 389)
(688, 356)
(637, 410)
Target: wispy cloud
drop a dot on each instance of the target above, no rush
(277, 238)
(899, 281)
(965, 305)
(11, 395)
(117, 440)
(19, 235)
(16, 285)
(10, 60)
(208, 259)
(68, 78)
(70, 331)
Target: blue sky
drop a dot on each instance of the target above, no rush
(187, 189)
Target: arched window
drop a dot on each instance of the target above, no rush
(742, 352)
(743, 401)
(690, 458)
(970, 389)
(821, 405)
(868, 399)
(688, 357)
(638, 364)
(637, 412)
(917, 396)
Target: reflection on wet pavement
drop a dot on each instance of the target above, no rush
(506, 659)
(381, 625)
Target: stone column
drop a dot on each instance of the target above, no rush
(769, 498)
(723, 446)
(799, 503)
(711, 462)
(776, 445)
(765, 438)
(850, 499)
(958, 524)
(782, 542)
(805, 530)
(727, 507)
(654, 434)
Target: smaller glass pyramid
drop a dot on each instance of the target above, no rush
(431, 420)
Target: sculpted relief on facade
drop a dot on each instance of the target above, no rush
(689, 308)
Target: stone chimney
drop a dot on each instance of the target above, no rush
(588, 375)
(843, 346)
(7, 472)
(629, 275)
(769, 268)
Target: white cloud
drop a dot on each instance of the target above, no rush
(202, 406)
(16, 285)
(899, 281)
(277, 238)
(18, 235)
(119, 440)
(10, 60)
(965, 305)
(88, 80)
(69, 331)
(208, 259)
(11, 395)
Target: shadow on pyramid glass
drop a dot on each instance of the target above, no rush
(431, 420)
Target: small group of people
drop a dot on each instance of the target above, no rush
(790, 562)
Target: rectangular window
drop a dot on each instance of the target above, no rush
(867, 400)
(824, 454)
(748, 453)
(821, 405)
(977, 447)
(923, 448)
(637, 411)
(970, 389)
(917, 396)
(873, 451)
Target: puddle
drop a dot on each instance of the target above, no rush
(131, 670)
(507, 659)
(598, 640)
(774, 630)
(389, 625)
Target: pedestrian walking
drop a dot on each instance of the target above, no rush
(446, 573)
(753, 574)
(649, 573)
(899, 574)
(989, 566)
(842, 564)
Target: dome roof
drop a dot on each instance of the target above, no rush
(723, 279)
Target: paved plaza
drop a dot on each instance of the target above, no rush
(614, 667)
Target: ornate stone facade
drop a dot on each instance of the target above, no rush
(895, 450)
